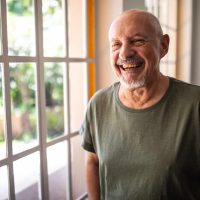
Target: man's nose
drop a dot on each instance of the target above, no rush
(126, 52)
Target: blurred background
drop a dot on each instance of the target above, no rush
(54, 55)
(178, 18)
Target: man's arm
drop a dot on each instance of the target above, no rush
(92, 174)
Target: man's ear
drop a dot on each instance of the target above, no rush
(164, 45)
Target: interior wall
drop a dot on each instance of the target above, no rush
(195, 75)
(106, 11)
(184, 40)
(136, 4)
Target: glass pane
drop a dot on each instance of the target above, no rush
(21, 27)
(54, 99)
(3, 183)
(2, 136)
(78, 168)
(0, 31)
(27, 176)
(78, 91)
(22, 91)
(57, 169)
(54, 28)
(77, 29)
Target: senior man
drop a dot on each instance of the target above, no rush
(142, 134)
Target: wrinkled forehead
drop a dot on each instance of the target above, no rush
(136, 20)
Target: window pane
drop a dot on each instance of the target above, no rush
(57, 162)
(77, 94)
(0, 31)
(21, 27)
(77, 30)
(2, 133)
(54, 99)
(27, 176)
(78, 168)
(54, 28)
(3, 182)
(22, 91)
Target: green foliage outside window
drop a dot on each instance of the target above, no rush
(23, 83)
(21, 7)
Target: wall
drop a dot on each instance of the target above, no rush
(136, 4)
(184, 40)
(106, 11)
(195, 75)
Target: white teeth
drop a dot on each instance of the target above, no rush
(125, 66)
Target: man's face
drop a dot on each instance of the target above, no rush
(136, 50)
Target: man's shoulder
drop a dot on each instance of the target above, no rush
(186, 89)
(185, 84)
(104, 94)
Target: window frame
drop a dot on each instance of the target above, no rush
(39, 60)
(168, 64)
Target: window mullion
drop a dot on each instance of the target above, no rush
(8, 127)
(7, 101)
(42, 130)
(67, 106)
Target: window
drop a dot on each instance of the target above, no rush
(47, 66)
(166, 11)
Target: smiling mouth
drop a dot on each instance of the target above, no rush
(129, 66)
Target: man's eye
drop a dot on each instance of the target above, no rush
(139, 42)
(115, 46)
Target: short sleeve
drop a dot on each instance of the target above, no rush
(86, 137)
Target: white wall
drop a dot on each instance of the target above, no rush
(106, 11)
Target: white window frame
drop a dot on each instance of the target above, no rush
(39, 60)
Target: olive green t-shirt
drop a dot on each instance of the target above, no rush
(146, 154)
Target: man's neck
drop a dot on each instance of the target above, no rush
(146, 96)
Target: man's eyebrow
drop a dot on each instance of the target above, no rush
(114, 40)
(139, 35)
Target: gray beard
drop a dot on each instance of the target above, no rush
(133, 85)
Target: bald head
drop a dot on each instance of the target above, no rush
(137, 44)
(145, 18)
